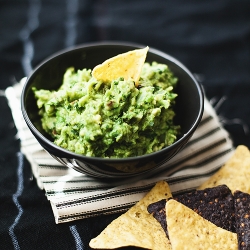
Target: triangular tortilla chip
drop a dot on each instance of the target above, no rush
(235, 173)
(242, 217)
(127, 65)
(136, 227)
(214, 204)
(157, 209)
(188, 230)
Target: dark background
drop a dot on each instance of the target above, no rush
(212, 38)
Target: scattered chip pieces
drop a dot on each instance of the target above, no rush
(188, 230)
(242, 216)
(214, 204)
(136, 227)
(235, 173)
(127, 65)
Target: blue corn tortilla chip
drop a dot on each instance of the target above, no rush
(158, 211)
(214, 204)
(242, 219)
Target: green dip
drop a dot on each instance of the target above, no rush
(114, 119)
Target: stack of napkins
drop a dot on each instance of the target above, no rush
(76, 196)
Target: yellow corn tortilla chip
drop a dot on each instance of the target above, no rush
(188, 230)
(235, 173)
(136, 227)
(127, 65)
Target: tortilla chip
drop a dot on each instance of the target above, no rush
(136, 227)
(242, 216)
(188, 230)
(213, 204)
(235, 173)
(127, 65)
(157, 209)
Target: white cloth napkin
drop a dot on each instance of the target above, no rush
(76, 196)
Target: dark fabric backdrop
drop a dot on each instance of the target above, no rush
(212, 38)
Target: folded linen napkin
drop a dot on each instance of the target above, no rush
(76, 196)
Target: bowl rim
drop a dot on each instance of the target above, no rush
(111, 43)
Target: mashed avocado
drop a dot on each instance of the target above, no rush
(114, 119)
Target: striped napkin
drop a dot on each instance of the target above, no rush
(76, 196)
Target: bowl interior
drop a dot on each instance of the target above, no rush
(49, 74)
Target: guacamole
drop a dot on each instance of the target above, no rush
(111, 119)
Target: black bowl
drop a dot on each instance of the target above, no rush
(48, 75)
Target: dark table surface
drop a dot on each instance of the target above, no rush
(212, 38)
